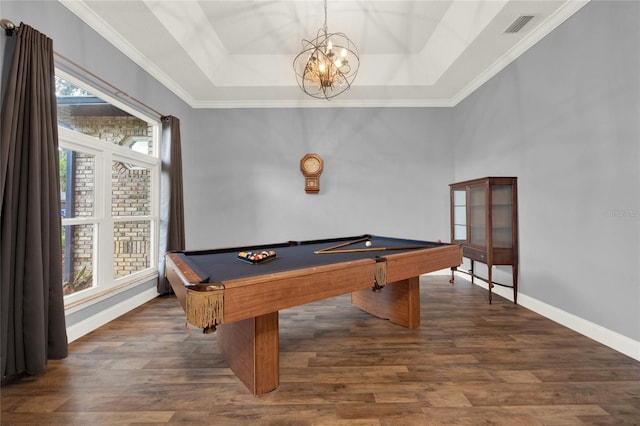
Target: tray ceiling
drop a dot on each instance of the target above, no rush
(239, 53)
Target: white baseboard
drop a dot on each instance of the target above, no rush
(616, 341)
(86, 326)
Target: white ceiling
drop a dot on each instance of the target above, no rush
(239, 53)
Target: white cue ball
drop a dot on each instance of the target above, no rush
(368, 244)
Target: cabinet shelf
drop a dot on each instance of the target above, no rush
(484, 221)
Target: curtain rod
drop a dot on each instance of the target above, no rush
(117, 92)
(10, 29)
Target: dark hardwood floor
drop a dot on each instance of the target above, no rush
(469, 363)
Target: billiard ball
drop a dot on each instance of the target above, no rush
(368, 244)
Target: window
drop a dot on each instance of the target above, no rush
(109, 192)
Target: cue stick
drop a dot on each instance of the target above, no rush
(348, 243)
(325, 251)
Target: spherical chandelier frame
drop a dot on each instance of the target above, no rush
(327, 65)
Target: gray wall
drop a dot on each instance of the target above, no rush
(386, 172)
(565, 118)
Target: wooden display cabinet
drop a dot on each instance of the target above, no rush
(484, 221)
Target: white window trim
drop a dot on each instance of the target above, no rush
(105, 154)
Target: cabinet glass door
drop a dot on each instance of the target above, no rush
(501, 205)
(477, 216)
(460, 215)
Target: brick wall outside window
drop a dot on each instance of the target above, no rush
(130, 196)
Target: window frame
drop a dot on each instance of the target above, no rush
(105, 154)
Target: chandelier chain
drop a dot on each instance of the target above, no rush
(325, 17)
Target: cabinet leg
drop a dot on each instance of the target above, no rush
(489, 270)
(514, 271)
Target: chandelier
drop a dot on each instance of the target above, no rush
(327, 65)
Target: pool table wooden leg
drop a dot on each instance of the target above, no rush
(399, 302)
(251, 348)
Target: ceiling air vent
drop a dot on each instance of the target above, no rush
(518, 24)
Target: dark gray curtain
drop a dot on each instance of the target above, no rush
(171, 198)
(33, 322)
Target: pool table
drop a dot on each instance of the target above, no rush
(240, 299)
